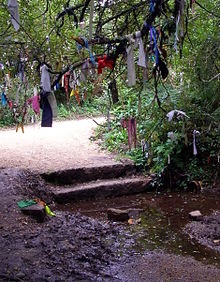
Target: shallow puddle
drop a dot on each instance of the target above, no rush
(162, 220)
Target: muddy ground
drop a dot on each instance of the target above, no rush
(75, 247)
(79, 243)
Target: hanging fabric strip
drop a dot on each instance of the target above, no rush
(92, 59)
(21, 70)
(141, 53)
(53, 104)
(8, 80)
(34, 101)
(13, 10)
(182, 20)
(17, 94)
(195, 132)
(131, 65)
(176, 39)
(132, 133)
(66, 78)
(170, 115)
(168, 159)
(145, 149)
(72, 93)
(4, 99)
(152, 6)
(77, 95)
(105, 61)
(47, 114)
(85, 70)
(45, 78)
(153, 37)
(83, 42)
(179, 23)
(73, 80)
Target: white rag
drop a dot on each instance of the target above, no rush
(13, 10)
(131, 65)
(170, 115)
(141, 53)
(45, 79)
(195, 132)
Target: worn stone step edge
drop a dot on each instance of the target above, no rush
(102, 189)
(86, 174)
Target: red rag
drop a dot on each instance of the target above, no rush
(105, 61)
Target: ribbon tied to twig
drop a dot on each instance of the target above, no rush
(195, 133)
(179, 114)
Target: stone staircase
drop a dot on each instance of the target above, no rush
(96, 182)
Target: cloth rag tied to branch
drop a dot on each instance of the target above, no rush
(13, 10)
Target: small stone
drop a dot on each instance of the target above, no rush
(20, 275)
(37, 211)
(217, 242)
(118, 215)
(123, 215)
(196, 215)
(134, 213)
(132, 221)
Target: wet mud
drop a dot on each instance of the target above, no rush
(165, 223)
(81, 244)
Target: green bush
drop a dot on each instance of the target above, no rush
(6, 117)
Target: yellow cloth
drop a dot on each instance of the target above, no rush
(72, 93)
(48, 211)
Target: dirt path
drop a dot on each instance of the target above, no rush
(66, 145)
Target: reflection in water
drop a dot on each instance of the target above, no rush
(162, 221)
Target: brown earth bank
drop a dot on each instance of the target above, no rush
(78, 246)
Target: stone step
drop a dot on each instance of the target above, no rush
(86, 174)
(101, 189)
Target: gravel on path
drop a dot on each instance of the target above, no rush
(66, 145)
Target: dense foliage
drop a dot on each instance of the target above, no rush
(186, 41)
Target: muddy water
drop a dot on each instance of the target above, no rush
(162, 221)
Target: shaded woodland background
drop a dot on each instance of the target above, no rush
(91, 39)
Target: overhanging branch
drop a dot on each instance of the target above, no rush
(211, 79)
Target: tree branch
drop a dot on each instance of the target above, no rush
(124, 12)
(81, 18)
(44, 13)
(215, 15)
(211, 79)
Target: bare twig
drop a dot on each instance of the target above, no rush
(210, 12)
(95, 121)
(211, 79)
